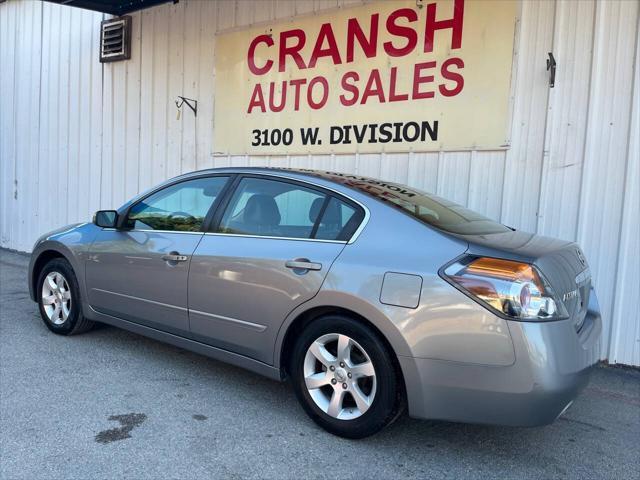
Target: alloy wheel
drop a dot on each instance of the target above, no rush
(56, 298)
(339, 376)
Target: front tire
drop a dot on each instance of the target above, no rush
(344, 377)
(59, 299)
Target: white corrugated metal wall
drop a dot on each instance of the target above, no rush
(76, 136)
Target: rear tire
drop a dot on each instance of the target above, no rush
(353, 394)
(59, 301)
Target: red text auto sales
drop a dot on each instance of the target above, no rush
(405, 35)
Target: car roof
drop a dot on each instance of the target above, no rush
(322, 178)
(326, 175)
(338, 179)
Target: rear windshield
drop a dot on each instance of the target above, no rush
(427, 208)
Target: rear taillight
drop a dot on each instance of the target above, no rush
(513, 289)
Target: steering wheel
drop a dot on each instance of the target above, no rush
(184, 215)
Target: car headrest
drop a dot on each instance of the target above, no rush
(332, 215)
(261, 210)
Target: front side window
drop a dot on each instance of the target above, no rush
(181, 207)
(280, 209)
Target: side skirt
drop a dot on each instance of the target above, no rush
(191, 345)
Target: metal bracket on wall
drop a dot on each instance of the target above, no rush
(551, 65)
(182, 100)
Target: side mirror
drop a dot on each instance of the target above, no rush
(106, 218)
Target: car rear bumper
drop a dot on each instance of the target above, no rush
(553, 364)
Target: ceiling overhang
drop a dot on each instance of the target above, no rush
(114, 7)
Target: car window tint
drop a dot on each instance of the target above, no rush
(338, 221)
(425, 207)
(181, 207)
(272, 208)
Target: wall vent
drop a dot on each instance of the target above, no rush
(115, 39)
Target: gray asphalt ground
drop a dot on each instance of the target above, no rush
(112, 404)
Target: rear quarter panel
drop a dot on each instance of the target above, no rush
(446, 325)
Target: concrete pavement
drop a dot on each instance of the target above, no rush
(112, 404)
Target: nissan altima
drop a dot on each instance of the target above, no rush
(371, 297)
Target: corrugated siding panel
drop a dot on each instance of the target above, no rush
(42, 203)
(486, 177)
(605, 161)
(73, 132)
(146, 163)
(523, 165)
(62, 118)
(7, 50)
(132, 103)
(453, 176)
(567, 119)
(27, 72)
(423, 171)
(41, 118)
(84, 62)
(158, 81)
(96, 127)
(175, 85)
(92, 135)
(625, 336)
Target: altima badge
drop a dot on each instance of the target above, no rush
(571, 294)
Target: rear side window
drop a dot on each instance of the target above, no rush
(270, 208)
(273, 208)
(338, 222)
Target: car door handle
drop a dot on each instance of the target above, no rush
(302, 264)
(174, 257)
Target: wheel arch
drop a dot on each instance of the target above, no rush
(38, 262)
(301, 319)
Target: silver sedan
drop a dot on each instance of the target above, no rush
(370, 296)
